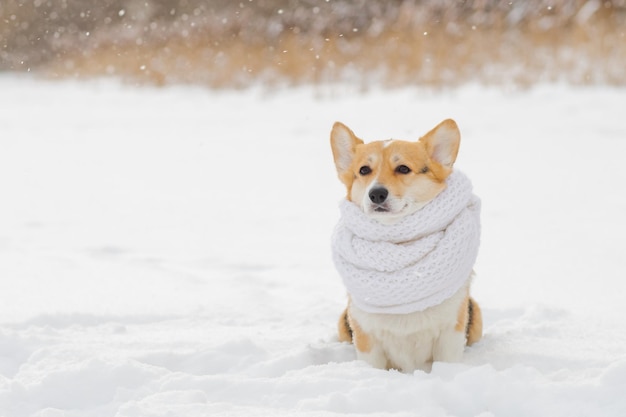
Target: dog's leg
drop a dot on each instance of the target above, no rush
(451, 342)
(449, 345)
(375, 357)
(368, 349)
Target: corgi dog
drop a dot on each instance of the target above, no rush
(389, 181)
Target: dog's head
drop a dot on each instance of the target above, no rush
(391, 179)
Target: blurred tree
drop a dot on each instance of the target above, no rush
(223, 42)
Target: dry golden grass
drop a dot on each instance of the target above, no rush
(493, 56)
(395, 43)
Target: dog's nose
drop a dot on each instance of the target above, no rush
(378, 195)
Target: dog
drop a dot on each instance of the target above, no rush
(389, 182)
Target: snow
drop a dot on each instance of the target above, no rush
(166, 252)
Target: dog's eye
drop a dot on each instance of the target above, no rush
(424, 170)
(403, 169)
(365, 170)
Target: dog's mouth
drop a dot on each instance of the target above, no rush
(386, 209)
(385, 214)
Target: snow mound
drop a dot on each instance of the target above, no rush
(166, 252)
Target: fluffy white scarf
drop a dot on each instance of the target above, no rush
(416, 263)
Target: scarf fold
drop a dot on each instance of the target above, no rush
(413, 264)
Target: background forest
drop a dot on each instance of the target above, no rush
(225, 43)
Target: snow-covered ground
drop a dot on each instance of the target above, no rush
(165, 252)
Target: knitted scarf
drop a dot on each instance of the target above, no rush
(413, 264)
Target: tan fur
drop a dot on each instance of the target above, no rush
(350, 331)
(343, 327)
(360, 338)
(385, 340)
(475, 330)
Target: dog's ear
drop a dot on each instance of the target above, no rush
(442, 143)
(343, 142)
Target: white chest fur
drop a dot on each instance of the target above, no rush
(413, 341)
